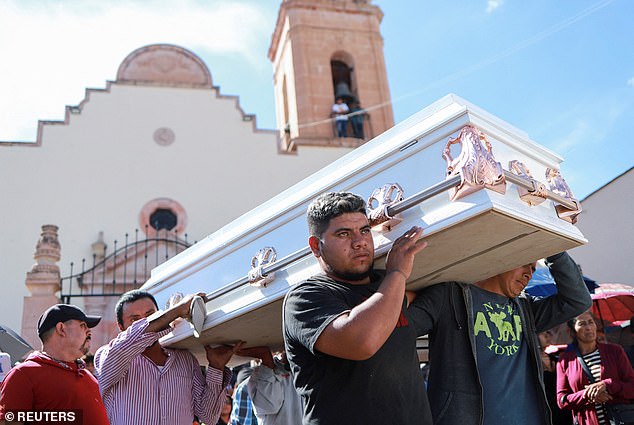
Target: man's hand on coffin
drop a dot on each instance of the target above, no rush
(219, 356)
(163, 319)
(183, 308)
(262, 352)
(359, 333)
(400, 259)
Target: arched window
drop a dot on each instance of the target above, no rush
(343, 79)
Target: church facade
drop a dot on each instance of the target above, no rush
(160, 158)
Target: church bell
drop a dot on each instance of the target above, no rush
(342, 90)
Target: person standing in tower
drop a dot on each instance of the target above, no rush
(340, 110)
(357, 115)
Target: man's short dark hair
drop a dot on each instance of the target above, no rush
(130, 297)
(331, 205)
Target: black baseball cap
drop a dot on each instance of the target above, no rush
(61, 313)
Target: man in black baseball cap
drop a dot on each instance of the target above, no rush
(63, 313)
(55, 378)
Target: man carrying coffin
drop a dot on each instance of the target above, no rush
(143, 382)
(485, 357)
(348, 334)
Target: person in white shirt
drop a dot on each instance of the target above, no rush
(340, 109)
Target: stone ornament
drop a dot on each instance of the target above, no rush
(164, 64)
(164, 136)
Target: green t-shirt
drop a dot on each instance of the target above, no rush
(508, 385)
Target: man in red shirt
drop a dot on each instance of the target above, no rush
(52, 385)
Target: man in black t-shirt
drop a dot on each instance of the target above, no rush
(347, 332)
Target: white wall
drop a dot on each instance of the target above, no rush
(607, 221)
(96, 173)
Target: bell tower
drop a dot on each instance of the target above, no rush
(322, 50)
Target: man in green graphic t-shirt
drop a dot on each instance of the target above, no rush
(486, 366)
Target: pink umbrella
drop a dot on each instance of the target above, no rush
(613, 307)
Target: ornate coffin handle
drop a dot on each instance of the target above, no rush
(475, 164)
(559, 186)
(262, 258)
(174, 299)
(384, 197)
(534, 196)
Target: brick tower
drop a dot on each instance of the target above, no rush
(323, 49)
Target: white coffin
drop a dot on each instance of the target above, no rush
(476, 236)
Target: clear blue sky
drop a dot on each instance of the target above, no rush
(562, 71)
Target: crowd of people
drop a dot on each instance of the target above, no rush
(349, 353)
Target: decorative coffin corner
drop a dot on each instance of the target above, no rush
(478, 218)
(476, 165)
(559, 186)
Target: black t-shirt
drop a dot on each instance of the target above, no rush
(388, 388)
(508, 384)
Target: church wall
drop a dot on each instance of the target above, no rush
(96, 172)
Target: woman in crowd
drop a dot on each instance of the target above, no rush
(612, 378)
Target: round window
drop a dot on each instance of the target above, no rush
(163, 214)
(163, 218)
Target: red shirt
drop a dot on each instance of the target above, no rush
(41, 384)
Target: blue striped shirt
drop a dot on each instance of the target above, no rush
(242, 412)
